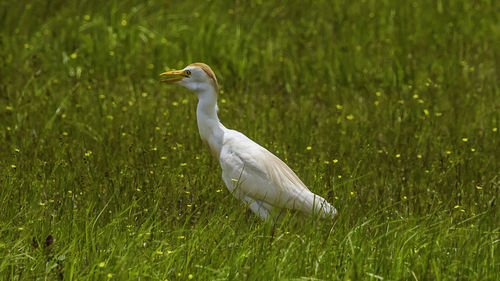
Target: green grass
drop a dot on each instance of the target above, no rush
(389, 109)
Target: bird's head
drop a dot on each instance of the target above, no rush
(196, 77)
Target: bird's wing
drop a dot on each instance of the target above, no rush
(254, 171)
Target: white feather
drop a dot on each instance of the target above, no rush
(251, 173)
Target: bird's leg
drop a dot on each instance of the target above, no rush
(272, 237)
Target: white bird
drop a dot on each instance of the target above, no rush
(251, 173)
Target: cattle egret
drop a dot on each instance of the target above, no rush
(251, 173)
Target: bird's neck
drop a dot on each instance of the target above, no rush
(210, 128)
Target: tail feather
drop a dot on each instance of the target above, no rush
(322, 207)
(315, 204)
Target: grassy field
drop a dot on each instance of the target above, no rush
(389, 109)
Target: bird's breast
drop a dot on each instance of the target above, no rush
(213, 150)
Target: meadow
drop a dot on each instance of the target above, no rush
(389, 109)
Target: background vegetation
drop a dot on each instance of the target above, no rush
(389, 109)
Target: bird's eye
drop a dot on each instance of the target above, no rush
(188, 72)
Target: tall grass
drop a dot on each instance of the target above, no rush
(389, 109)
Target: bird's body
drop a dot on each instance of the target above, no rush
(250, 172)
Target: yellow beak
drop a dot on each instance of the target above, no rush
(174, 76)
